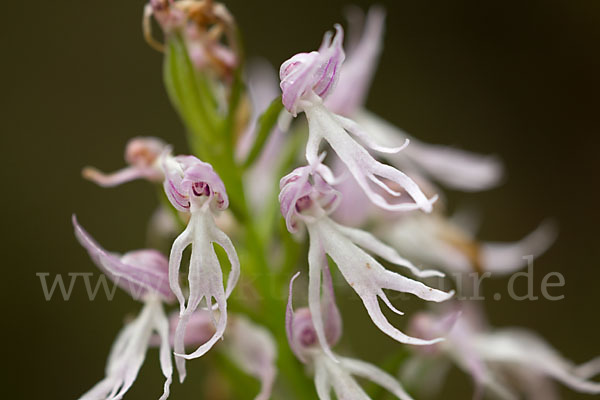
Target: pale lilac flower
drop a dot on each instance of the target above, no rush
(306, 80)
(193, 186)
(142, 155)
(438, 241)
(143, 274)
(505, 361)
(336, 374)
(250, 347)
(453, 167)
(310, 202)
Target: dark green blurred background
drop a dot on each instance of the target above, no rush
(518, 78)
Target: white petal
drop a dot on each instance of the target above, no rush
(101, 389)
(506, 258)
(322, 382)
(372, 305)
(525, 348)
(344, 385)
(369, 242)
(395, 281)
(161, 323)
(134, 354)
(223, 240)
(364, 168)
(375, 374)
(316, 258)
(179, 245)
(589, 369)
(220, 330)
(331, 313)
(355, 129)
(127, 356)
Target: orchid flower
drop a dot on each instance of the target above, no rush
(143, 274)
(142, 154)
(455, 168)
(193, 186)
(310, 202)
(250, 346)
(337, 374)
(306, 80)
(495, 357)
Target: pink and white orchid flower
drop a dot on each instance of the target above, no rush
(194, 187)
(329, 373)
(306, 80)
(310, 202)
(144, 275)
(505, 361)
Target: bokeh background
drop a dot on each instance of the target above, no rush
(517, 78)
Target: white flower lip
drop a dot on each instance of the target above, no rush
(192, 186)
